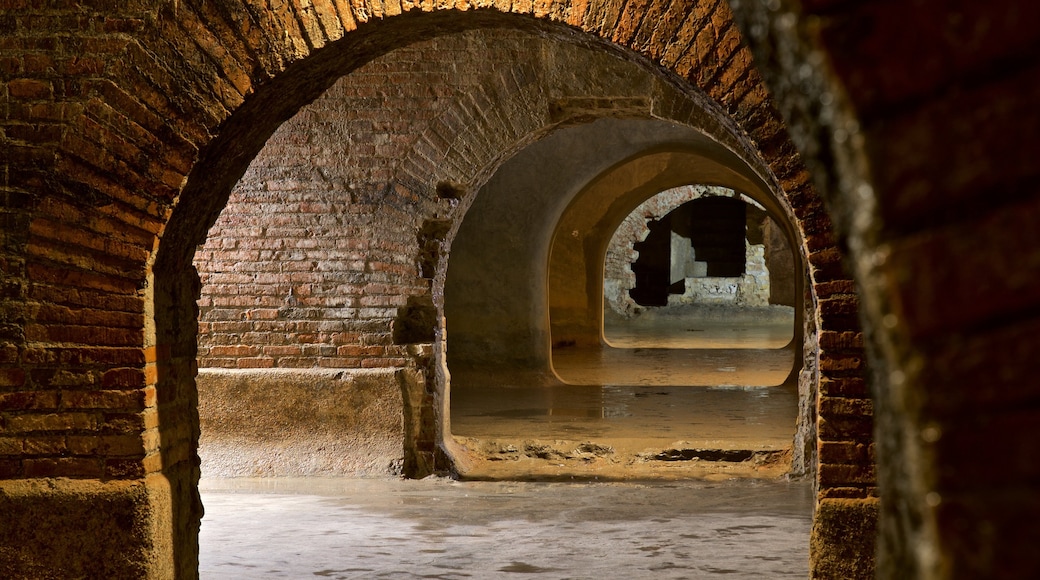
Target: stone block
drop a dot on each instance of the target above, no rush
(64, 528)
(843, 539)
(284, 422)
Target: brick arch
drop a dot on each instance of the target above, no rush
(604, 204)
(916, 133)
(140, 140)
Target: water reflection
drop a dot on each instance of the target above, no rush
(669, 389)
(743, 418)
(694, 327)
(673, 366)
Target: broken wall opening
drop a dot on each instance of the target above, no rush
(754, 309)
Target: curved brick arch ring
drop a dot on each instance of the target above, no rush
(194, 89)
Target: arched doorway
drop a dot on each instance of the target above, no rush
(172, 292)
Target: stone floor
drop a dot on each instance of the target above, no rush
(614, 433)
(439, 528)
(561, 480)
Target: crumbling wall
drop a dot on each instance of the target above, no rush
(751, 289)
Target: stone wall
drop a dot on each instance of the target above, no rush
(753, 289)
(288, 422)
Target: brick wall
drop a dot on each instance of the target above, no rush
(319, 248)
(916, 121)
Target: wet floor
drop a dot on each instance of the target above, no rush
(731, 392)
(672, 366)
(438, 528)
(722, 418)
(716, 331)
(686, 346)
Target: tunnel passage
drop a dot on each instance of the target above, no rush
(754, 310)
(322, 267)
(125, 123)
(551, 402)
(149, 152)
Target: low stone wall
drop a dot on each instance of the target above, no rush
(286, 422)
(751, 289)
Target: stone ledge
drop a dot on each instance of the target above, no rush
(844, 531)
(295, 422)
(60, 528)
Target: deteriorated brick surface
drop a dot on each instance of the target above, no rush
(919, 123)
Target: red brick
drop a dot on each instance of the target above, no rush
(255, 363)
(846, 452)
(126, 468)
(106, 400)
(10, 468)
(63, 467)
(128, 378)
(30, 400)
(858, 492)
(119, 445)
(844, 387)
(841, 406)
(842, 475)
(840, 341)
(276, 351)
(11, 378)
(11, 446)
(841, 364)
(66, 421)
(124, 422)
(30, 89)
(237, 350)
(845, 428)
(45, 445)
(83, 444)
(8, 354)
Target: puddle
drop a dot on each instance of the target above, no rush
(651, 403)
(748, 418)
